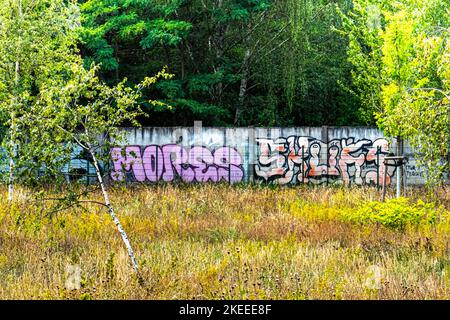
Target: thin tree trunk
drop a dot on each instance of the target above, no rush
(217, 40)
(11, 180)
(182, 60)
(243, 87)
(116, 55)
(13, 116)
(113, 215)
(13, 138)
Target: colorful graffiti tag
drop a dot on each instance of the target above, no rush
(298, 159)
(171, 161)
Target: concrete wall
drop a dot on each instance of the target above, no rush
(314, 155)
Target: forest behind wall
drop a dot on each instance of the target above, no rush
(235, 62)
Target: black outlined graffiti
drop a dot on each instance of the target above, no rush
(299, 159)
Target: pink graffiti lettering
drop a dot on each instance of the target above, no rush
(126, 160)
(152, 167)
(171, 161)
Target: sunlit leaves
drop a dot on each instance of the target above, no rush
(402, 62)
(82, 112)
(37, 41)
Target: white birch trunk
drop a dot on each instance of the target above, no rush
(13, 128)
(13, 142)
(11, 180)
(113, 215)
(242, 87)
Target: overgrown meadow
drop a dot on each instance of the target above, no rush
(221, 242)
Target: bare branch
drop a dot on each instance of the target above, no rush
(75, 202)
(445, 94)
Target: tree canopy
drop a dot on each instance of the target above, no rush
(252, 62)
(400, 55)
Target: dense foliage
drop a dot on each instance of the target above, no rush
(400, 52)
(251, 62)
(396, 213)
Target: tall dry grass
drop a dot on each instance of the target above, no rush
(221, 242)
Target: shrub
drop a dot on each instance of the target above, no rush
(395, 213)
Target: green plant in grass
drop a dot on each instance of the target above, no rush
(396, 213)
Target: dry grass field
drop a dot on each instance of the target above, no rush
(222, 242)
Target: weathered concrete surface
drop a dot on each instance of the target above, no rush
(349, 155)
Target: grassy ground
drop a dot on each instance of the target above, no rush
(218, 242)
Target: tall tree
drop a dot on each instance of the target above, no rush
(306, 60)
(52, 104)
(399, 51)
(82, 113)
(416, 74)
(36, 38)
(221, 52)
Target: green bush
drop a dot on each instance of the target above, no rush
(395, 213)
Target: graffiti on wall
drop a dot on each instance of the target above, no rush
(414, 171)
(298, 159)
(80, 168)
(171, 161)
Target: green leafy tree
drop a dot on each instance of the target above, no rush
(134, 38)
(221, 52)
(36, 41)
(399, 51)
(363, 25)
(209, 45)
(109, 27)
(83, 113)
(416, 92)
(310, 65)
(53, 105)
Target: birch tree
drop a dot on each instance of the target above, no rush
(84, 113)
